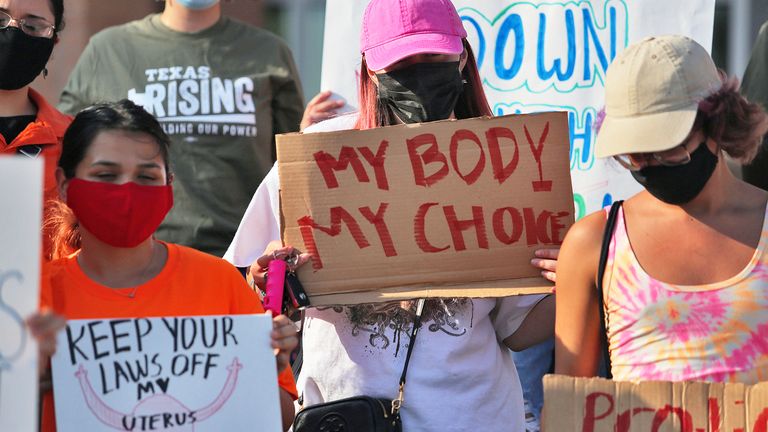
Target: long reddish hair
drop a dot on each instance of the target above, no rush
(472, 102)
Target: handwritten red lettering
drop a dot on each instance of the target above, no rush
(499, 230)
(377, 220)
(419, 228)
(458, 226)
(555, 227)
(539, 185)
(328, 164)
(624, 420)
(307, 225)
(714, 415)
(431, 155)
(591, 416)
(465, 135)
(686, 422)
(377, 162)
(761, 424)
(501, 172)
(536, 227)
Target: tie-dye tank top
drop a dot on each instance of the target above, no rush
(661, 331)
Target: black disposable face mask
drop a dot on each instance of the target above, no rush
(679, 184)
(22, 57)
(422, 92)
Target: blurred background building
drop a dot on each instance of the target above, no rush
(301, 24)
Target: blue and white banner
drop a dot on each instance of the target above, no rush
(541, 56)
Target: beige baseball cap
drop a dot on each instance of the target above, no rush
(652, 92)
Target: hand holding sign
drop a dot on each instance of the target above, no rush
(284, 340)
(546, 260)
(44, 327)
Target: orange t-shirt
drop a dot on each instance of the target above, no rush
(47, 132)
(191, 283)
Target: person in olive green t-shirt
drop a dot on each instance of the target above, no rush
(221, 89)
(755, 88)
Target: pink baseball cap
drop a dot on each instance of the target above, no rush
(396, 29)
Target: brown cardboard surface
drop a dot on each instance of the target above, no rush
(445, 209)
(600, 405)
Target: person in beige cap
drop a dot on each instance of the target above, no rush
(686, 275)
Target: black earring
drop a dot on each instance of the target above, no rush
(45, 72)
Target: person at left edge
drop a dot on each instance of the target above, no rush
(29, 126)
(221, 89)
(114, 176)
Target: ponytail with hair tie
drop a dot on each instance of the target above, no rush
(734, 123)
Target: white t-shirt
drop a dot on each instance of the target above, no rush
(460, 378)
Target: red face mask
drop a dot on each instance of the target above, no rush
(121, 215)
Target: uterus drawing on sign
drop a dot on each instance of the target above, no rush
(14, 332)
(158, 412)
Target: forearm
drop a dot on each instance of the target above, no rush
(286, 408)
(538, 326)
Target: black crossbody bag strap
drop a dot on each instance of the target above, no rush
(610, 226)
(397, 403)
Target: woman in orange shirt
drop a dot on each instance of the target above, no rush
(29, 125)
(114, 176)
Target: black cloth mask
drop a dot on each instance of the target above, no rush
(679, 184)
(22, 57)
(421, 92)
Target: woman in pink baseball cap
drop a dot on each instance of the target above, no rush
(416, 67)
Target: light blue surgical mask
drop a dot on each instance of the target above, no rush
(197, 4)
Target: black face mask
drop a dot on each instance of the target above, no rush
(422, 92)
(22, 57)
(679, 184)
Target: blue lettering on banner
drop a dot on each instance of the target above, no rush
(523, 36)
(580, 123)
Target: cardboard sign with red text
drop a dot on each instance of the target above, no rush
(446, 209)
(600, 405)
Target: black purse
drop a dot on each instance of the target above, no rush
(360, 413)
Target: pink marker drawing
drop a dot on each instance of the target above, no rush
(158, 412)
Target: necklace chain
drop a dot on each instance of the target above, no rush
(132, 294)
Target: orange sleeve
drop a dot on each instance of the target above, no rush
(286, 382)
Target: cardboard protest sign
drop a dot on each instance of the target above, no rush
(443, 209)
(599, 405)
(212, 373)
(21, 192)
(540, 55)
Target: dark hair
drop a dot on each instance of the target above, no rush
(471, 103)
(58, 14)
(736, 124)
(123, 115)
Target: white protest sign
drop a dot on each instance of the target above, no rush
(540, 56)
(213, 373)
(21, 192)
